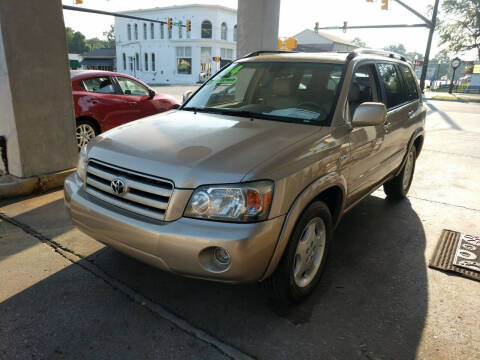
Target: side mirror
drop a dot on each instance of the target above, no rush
(369, 114)
(187, 94)
(151, 94)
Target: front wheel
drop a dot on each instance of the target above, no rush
(398, 187)
(304, 258)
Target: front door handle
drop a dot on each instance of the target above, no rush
(411, 114)
(386, 126)
(132, 103)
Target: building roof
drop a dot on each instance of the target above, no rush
(324, 35)
(100, 53)
(210, 6)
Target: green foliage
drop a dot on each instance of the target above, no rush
(399, 49)
(359, 42)
(459, 29)
(110, 36)
(78, 44)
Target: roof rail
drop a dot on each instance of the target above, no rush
(377, 52)
(260, 52)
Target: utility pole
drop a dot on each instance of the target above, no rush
(429, 45)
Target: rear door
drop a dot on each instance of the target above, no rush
(100, 101)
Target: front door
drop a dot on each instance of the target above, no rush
(366, 143)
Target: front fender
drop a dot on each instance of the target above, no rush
(309, 194)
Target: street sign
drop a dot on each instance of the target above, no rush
(476, 69)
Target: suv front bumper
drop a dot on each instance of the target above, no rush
(180, 246)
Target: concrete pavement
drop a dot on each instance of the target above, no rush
(64, 295)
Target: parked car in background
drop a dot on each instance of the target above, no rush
(104, 100)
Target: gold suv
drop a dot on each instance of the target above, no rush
(247, 180)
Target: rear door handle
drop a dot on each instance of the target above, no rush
(411, 113)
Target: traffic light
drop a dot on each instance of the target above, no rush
(419, 63)
(384, 4)
(169, 23)
(344, 26)
(78, 1)
(315, 29)
(189, 25)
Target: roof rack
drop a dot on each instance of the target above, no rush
(260, 52)
(390, 54)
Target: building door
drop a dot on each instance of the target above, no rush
(205, 63)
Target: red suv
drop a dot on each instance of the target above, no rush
(105, 99)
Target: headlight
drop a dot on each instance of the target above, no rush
(245, 202)
(82, 163)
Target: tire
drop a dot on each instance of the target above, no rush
(398, 187)
(290, 283)
(85, 131)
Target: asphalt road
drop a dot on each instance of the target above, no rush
(63, 295)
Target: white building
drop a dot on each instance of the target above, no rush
(152, 53)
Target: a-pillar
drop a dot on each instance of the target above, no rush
(257, 25)
(36, 109)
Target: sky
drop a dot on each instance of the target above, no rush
(295, 16)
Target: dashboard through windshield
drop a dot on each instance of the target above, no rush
(304, 92)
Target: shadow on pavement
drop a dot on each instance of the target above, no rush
(371, 302)
(444, 116)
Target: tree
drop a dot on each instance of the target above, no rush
(110, 36)
(95, 43)
(359, 42)
(399, 49)
(460, 31)
(75, 42)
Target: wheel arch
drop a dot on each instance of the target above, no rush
(331, 189)
(90, 119)
(416, 140)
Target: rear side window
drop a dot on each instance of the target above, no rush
(392, 85)
(410, 83)
(102, 85)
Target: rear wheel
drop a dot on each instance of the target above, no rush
(86, 130)
(398, 187)
(304, 258)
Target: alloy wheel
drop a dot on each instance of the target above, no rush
(309, 252)
(85, 133)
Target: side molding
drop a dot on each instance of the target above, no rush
(301, 202)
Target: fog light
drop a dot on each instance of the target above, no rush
(222, 255)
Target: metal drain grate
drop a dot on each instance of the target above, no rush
(459, 253)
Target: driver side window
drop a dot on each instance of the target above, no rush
(361, 88)
(130, 87)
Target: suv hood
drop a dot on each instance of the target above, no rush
(193, 149)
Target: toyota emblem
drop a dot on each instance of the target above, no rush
(118, 186)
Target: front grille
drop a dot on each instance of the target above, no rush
(144, 194)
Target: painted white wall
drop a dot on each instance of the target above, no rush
(165, 49)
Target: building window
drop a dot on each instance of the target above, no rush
(224, 31)
(136, 31)
(124, 58)
(206, 29)
(170, 33)
(180, 30)
(137, 61)
(188, 32)
(129, 32)
(144, 31)
(235, 33)
(146, 62)
(184, 60)
(152, 31)
(153, 62)
(226, 56)
(162, 31)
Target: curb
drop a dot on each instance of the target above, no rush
(11, 186)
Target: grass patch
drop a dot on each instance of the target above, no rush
(455, 98)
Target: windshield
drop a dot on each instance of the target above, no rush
(285, 91)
